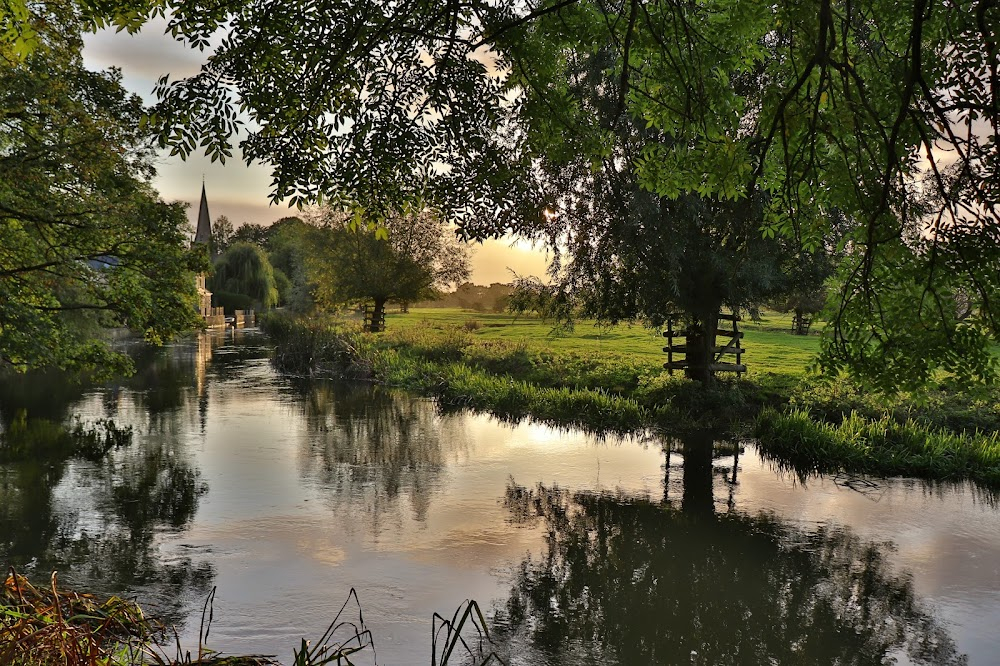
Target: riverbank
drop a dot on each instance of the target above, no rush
(612, 380)
(52, 625)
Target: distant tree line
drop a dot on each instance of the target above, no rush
(469, 296)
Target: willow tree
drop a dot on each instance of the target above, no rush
(412, 255)
(243, 273)
(884, 110)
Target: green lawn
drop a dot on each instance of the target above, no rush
(770, 347)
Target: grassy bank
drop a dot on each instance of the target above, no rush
(881, 447)
(612, 379)
(519, 372)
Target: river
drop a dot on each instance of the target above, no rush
(284, 494)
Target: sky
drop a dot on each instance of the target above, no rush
(235, 190)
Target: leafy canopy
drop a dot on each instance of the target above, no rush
(85, 242)
(349, 263)
(886, 111)
(244, 270)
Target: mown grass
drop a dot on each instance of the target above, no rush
(770, 348)
(611, 378)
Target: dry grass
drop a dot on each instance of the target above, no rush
(51, 627)
(48, 626)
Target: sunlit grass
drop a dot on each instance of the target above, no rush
(770, 347)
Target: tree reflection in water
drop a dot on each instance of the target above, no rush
(638, 582)
(100, 529)
(372, 445)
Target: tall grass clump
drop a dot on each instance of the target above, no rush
(39, 627)
(956, 409)
(881, 446)
(460, 385)
(49, 626)
(319, 347)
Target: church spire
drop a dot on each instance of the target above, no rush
(203, 234)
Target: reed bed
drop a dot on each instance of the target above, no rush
(46, 626)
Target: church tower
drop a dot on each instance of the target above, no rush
(203, 235)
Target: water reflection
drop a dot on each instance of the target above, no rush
(98, 523)
(647, 582)
(373, 444)
(286, 494)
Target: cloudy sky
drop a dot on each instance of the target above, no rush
(234, 189)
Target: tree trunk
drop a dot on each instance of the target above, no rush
(378, 316)
(698, 448)
(700, 344)
(798, 321)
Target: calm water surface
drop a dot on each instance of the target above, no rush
(285, 494)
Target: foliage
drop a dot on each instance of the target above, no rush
(244, 270)
(317, 347)
(799, 108)
(954, 409)
(39, 627)
(493, 298)
(350, 264)
(230, 301)
(86, 241)
(625, 252)
(48, 626)
(549, 301)
(249, 232)
(222, 235)
(288, 243)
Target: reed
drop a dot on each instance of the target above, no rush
(53, 627)
(46, 626)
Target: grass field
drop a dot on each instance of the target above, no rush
(770, 347)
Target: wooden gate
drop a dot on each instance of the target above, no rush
(368, 313)
(734, 346)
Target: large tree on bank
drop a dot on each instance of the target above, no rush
(85, 242)
(860, 106)
(406, 260)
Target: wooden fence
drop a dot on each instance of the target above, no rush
(732, 347)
